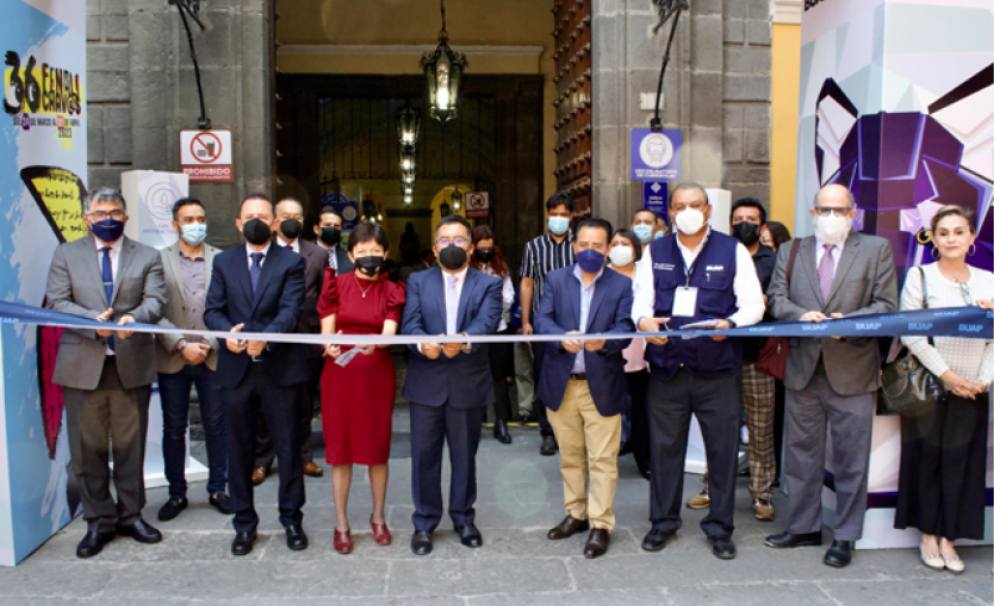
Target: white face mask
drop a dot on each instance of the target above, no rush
(832, 228)
(621, 256)
(690, 221)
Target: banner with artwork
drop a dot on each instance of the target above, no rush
(42, 184)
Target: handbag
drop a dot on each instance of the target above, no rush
(774, 355)
(907, 387)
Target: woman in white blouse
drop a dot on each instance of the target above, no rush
(941, 486)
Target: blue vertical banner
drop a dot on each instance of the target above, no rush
(655, 197)
(43, 167)
(655, 156)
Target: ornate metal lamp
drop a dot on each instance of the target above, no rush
(443, 70)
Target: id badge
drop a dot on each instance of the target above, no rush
(685, 301)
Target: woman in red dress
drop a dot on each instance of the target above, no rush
(357, 400)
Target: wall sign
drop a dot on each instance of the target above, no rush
(205, 155)
(655, 156)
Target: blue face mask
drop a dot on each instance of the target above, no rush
(645, 232)
(193, 234)
(658, 235)
(558, 225)
(108, 230)
(590, 261)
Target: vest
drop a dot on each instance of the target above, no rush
(712, 274)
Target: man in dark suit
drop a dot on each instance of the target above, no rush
(583, 382)
(290, 224)
(107, 374)
(329, 233)
(449, 385)
(259, 288)
(830, 381)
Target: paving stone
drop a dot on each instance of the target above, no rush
(747, 595)
(476, 577)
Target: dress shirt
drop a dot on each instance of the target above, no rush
(115, 257)
(586, 295)
(507, 297)
(333, 261)
(193, 272)
(295, 245)
(820, 251)
(249, 251)
(460, 280)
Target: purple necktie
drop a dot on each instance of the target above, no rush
(826, 271)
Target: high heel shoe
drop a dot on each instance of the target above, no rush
(381, 534)
(932, 561)
(343, 541)
(953, 563)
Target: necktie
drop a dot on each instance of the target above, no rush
(256, 269)
(452, 305)
(332, 261)
(107, 274)
(826, 271)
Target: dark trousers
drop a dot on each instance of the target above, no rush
(941, 482)
(717, 406)
(174, 394)
(538, 352)
(258, 395)
(265, 454)
(500, 356)
(431, 427)
(639, 433)
(109, 420)
(779, 396)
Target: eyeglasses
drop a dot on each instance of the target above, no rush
(444, 242)
(824, 211)
(100, 215)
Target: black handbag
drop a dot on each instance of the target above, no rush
(907, 387)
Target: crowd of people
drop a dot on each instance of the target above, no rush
(594, 399)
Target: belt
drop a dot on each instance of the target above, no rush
(578, 376)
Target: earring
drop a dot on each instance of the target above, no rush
(935, 253)
(972, 250)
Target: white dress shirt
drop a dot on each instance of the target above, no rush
(295, 245)
(507, 297)
(460, 280)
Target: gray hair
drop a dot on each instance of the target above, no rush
(104, 194)
(687, 185)
(851, 201)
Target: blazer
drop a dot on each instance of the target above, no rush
(342, 263)
(610, 312)
(168, 360)
(75, 285)
(275, 307)
(463, 381)
(864, 283)
(316, 262)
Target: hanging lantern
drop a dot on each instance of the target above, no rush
(369, 210)
(407, 190)
(408, 198)
(444, 210)
(408, 126)
(407, 160)
(408, 178)
(457, 199)
(443, 71)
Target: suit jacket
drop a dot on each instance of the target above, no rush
(75, 285)
(275, 307)
(864, 283)
(316, 262)
(342, 263)
(463, 381)
(610, 312)
(168, 360)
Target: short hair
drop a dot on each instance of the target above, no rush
(851, 201)
(597, 224)
(186, 202)
(749, 203)
(256, 196)
(104, 194)
(637, 244)
(687, 185)
(289, 199)
(328, 209)
(560, 198)
(952, 210)
(656, 217)
(366, 231)
(454, 219)
(779, 233)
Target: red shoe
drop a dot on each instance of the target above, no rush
(343, 541)
(381, 534)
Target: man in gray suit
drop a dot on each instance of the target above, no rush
(329, 233)
(107, 374)
(830, 380)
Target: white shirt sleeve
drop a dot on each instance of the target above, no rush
(749, 293)
(644, 295)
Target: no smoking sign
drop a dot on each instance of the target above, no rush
(205, 155)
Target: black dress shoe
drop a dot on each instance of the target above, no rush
(644, 469)
(501, 432)
(93, 543)
(656, 539)
(597, 543)
(839, 554)
(172, 508)
(469, 536)
(140, 531)
(567, 527)
(421, 543)
(788, 540)
(548, 447)
(296, 539)
(222, 502)
(526, 419)
(722, 547)
(242, 545)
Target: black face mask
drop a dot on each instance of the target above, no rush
(369, 265)
(291, 229)
(330, 235)
(452, 257)
(256, 231)
(484, 256)
(746, 232)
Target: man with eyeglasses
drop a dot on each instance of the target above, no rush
(830, 380)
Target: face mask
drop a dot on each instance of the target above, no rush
(108, 230)
(369, 265)
(291, 229)
(621, 256)
(690, 221)
(645, 232)
(330, 235)
(558, 225)
(193, 234)
(452, 257)
(746, 232)
(590, 261)
(832, 229)
(484, 256)
(256, 231)
(659, 235)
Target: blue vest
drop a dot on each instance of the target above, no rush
(712, 273)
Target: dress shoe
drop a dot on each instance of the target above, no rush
(172, 508)
(656, 539)
(526, 418)
(469, 536)
(93, 543)
(597, 543)
(381, 534)
(839, 554)
(722, 547)
(242, 545)
(700, 500)
(567, 527)
(501, 432)
(296, 537)
(310, 469)
(259, 475)
(222, 502)
(787, 540)
(140, 531)
(763, 509)
(343, 541)
(644, 470)
(421, 543)
(953, 563)
(548, 447)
